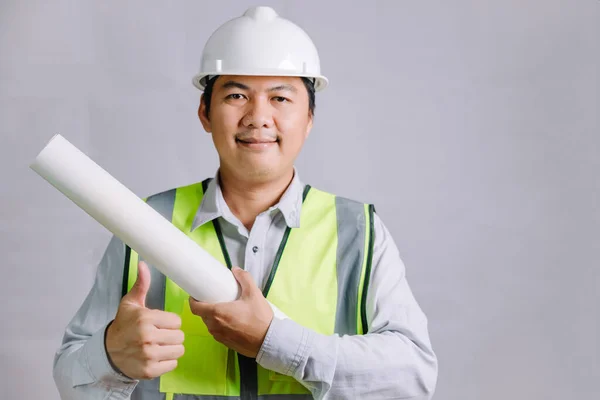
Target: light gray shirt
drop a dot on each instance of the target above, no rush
(394, 360)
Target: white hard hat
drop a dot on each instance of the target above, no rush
(260, 43)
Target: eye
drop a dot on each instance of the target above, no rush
(281, 99)
(235, 96)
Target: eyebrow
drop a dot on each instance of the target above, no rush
(287, 87)
(234, 84)
(238, 85)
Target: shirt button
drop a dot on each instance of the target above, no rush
(255, 249)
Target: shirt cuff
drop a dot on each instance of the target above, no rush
(286, 346)
(99, 366)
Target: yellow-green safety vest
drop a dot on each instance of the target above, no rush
(319, 279)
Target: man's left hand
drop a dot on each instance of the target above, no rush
(242, 324)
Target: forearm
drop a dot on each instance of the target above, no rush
(394, 360)
(372, 366)
(81, 367)
(82, 371)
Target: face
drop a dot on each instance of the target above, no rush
(258, 124)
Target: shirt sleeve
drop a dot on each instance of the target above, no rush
(394, 359)
(81, 366)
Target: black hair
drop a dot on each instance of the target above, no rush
(308, 83)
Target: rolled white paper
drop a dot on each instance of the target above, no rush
(137, 224)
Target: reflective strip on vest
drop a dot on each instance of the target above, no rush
(339, 233)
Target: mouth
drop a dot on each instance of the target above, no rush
(257, 144)
(257, 141)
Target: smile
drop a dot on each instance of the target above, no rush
(257, 141)
(257, 144)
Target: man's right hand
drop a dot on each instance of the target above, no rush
(143, 343)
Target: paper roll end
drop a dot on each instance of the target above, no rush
(34, 164)
(53, 138)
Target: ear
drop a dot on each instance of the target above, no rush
(309, 125)
(202, 115)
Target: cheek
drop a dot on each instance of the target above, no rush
(293, 132)
(224, 127)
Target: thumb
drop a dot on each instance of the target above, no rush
(139, 290)
(245, 280)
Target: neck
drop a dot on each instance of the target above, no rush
(247, 199)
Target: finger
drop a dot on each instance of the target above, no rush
(201, 308)
(166, 353)
(163, 319)
(165, 337)
(139, 290)
(245, 280)
(160, 368)
(167, 366)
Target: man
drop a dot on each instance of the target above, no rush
(354, 329)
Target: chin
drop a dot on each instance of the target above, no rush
(259, 172)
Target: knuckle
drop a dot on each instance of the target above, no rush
(176, 320)
(219, 312)
(220, 315)
(140, 321)
(147, 372)
(145, 337)
(145, 316)
(147, 352)
(180, 337)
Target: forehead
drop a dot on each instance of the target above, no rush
(259, 83)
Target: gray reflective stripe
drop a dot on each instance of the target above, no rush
(350, 255)
(163, 203)
(195, 397)
(263, 397)
(145, 392)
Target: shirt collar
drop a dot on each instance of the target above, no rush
(213, 204)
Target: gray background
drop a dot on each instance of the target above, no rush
(472, 125)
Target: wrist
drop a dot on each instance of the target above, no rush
(108, 357)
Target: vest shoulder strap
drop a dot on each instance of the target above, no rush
(163, 204)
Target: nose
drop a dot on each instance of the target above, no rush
(259, 115)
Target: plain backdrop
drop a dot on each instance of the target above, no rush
(472, 125)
